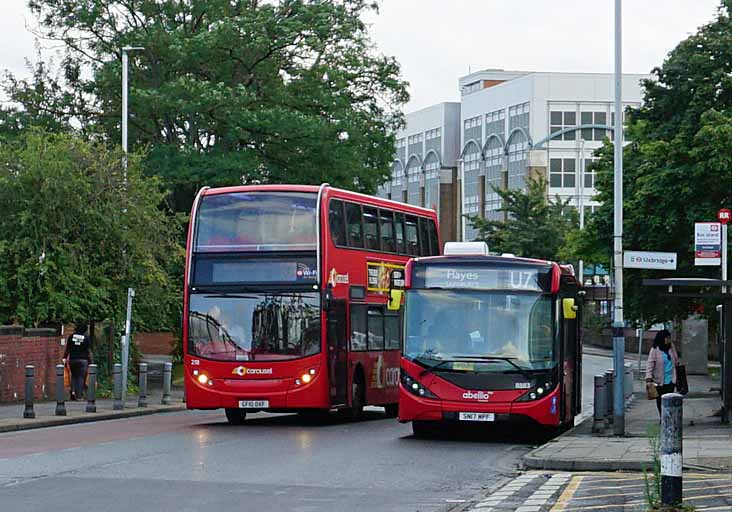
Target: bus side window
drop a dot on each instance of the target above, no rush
(392, 332)
(354, 226)
(386, 219)
(399, 225)
(358, 327)
(412, 236)
(424, 237)
(434, 240)
(371, 228)
(337, 223)
(376, 329)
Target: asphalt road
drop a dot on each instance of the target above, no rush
(195, 461)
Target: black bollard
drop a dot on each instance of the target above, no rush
(118, 405)
(28, 412)
(60, 391)
(167, 376)
(142, 400)
(672, 460)
(91, 393)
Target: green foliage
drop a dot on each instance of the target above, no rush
(73, 237)
(228, 92)
(677, 167)
(535, 227)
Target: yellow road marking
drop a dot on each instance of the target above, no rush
(594, 507)
(566, 496)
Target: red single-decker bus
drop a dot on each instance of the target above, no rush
(490, 339)
(285, 300)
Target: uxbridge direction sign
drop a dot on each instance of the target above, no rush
(649, 260)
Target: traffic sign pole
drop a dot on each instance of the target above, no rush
(723, 216)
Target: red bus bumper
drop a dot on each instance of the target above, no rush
(544, 411)
(281, 390)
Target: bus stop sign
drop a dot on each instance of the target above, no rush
(724, 216)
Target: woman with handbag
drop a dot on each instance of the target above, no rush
(661, 366)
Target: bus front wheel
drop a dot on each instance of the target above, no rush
(236, 416)
(423, 429)
(358, 390)
(391, 410)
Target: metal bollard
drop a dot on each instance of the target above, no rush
(142, 399)
(60, 391)
(609, 396)
(117, 372)
(600, 408)
(91, 392)
(167, 376)
(672, 459)
(28, 412)
(628, 381)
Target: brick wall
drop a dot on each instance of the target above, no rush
(19, 347)
(158, 343)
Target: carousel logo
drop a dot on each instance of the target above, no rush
(241, 371)
(477, 395)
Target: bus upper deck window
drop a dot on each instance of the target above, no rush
(401, 247)
(371, 228)
(412, 236)
(337, 222)
(386, 219)
(353, 225)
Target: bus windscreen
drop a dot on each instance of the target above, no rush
(501, 329)
(256, 221)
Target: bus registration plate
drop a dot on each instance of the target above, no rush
(253, 404)
(477, 416)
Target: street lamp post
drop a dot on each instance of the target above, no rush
(125, 51)
(127, 338)
(581, 200)
(618, 324)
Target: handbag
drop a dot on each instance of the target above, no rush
(651, 391)
(67, 376)
(682, 384)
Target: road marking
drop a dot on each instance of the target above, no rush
(566, 496)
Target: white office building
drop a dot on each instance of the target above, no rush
(512, 125)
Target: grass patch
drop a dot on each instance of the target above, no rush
(714, 371)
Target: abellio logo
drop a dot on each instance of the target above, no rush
(477, 395)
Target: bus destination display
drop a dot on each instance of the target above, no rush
(481, 278)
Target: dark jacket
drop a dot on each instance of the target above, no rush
(78, 346)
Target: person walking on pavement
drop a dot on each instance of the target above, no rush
(78, 356)
(661, 365)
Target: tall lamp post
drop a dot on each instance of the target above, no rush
(127, 338)
(125, 58)
(581, 201)
(618, 324)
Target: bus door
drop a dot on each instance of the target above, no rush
(337, 353)
(570, 376)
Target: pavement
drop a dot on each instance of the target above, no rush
(707, 443)
(11, 415)
(537, 491)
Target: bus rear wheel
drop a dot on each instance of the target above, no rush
(236, 416)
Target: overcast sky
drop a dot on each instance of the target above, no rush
(437, 41)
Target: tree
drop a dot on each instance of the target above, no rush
(73, 237)
(677, 167)
(230, 92)
(535, 227)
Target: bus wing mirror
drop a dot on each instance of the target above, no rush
(395, 299)
(328, 297)
(569, 308)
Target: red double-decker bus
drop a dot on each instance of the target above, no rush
(286, 298)
(489, 339)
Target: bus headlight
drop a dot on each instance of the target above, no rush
(539, 391)
(414, 387)
(203, 378)
(306, 378)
